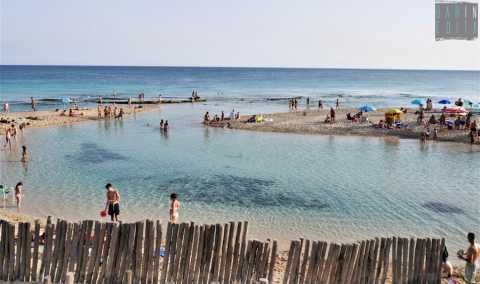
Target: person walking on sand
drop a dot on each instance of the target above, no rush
(337, 104)
(24, 154)
(18, 194)
(320, 104)
(174, 206)
(6, 108)
(34, 104)
(113, 202)
(472, 259)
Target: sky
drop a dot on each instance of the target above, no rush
(246, 33)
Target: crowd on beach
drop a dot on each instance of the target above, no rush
(220, 118)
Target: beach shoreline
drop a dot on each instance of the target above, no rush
(312, 121)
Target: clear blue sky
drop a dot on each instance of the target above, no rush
(316, 33)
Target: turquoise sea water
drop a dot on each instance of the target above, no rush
(286, 185)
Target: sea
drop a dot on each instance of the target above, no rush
(321, 187)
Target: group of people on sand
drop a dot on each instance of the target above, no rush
(112, 205)
(217, 118)
(433, 125)
(292, 104)
(110, 111)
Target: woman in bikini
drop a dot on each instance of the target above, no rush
(174, 206)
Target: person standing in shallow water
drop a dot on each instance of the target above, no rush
(24, 154)
(174, 206)
(113, 202)
(18, 194)
(472, 259)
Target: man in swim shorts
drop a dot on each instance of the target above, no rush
(113, 202)
(472, 258)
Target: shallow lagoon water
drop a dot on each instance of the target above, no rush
(286, 185)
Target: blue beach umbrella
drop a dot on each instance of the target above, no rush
(444, 102)
(417, 102)
(367, 108)
(65, 100)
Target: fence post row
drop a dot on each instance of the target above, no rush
(95, 252)
(371, 261)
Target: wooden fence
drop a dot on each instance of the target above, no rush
(416, 261)
(103, 252)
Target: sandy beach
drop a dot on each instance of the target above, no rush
(312, 121)
(45, 118)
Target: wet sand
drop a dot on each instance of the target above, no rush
(312, 121)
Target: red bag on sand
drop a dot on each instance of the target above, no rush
(103, 213)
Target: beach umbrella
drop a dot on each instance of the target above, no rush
(367, 108)
(444, 102)
(417, 102)
(393, 111)
(66, 100)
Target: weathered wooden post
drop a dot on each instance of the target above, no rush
(129, 274)
(69, 278)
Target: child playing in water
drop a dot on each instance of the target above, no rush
(174, 206)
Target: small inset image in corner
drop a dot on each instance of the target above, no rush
(456, 20)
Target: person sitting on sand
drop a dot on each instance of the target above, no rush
(447, 267)
(471, 257)
(174, 207)
(252, 119)
(327, 119)
(380, 124)
(350, 117)
(432, 120)
(404, 110)
(18, 194)
(113, 202)
(24, 158)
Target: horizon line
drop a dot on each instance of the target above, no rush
(242, 67)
